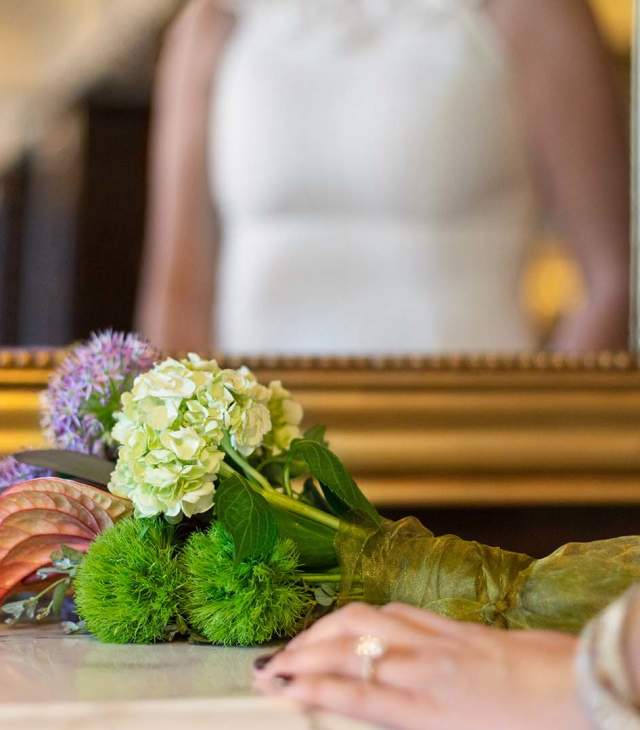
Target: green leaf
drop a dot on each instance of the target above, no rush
(46, 573)
(317, 434)
(65, 560)
(70, 463)
(315, 542)
(247, 517)
(70, 627)
(30, 608)
(104, 410)
(15, 610)
(145, 526)
(177, 628)
(332, 474)
(58, 598)
(325, 595)
(74, 557)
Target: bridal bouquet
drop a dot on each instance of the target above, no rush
(182, 499)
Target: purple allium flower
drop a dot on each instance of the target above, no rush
(13, 472)
(84, 392)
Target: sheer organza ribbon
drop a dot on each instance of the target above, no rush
(403, 561)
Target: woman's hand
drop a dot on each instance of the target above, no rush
(435, 674)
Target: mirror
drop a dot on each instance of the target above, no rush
(383, 184)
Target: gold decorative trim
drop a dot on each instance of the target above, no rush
(25, 359)
(15, 359)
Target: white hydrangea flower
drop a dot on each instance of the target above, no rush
(249, 415)
(286, 416)
(170, 431)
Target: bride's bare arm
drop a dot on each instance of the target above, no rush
(177, 287)
(579, 147)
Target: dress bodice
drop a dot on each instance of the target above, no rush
(370, 171)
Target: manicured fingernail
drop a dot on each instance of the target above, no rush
(282, 680)
(262, 661)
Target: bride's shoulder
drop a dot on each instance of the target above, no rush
(530, 26)
(201, 16)
(560, 64)
(193, 41)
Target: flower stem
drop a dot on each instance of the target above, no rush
(283, 501)
(244, 464)
(290, 504)
(286, 479)
(320, 577)
(50, 587)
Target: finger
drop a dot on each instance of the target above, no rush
(398, 667)
(374, 703)
(432, 622)
(336, 655)
(358, 619)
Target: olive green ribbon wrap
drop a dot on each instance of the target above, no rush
(403, 561)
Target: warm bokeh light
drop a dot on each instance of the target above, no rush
(617, 19)
(551, 286)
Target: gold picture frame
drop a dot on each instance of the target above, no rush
(454, 430)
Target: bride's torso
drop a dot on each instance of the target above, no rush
(370, 172)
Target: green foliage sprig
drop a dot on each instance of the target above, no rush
(48, 602)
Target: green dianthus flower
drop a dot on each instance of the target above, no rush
(245, 603)
(128, 585)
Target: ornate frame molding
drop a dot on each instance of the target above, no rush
(34, 359)
(539, 429)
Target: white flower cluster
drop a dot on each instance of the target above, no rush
(172, 424)
(286, 415)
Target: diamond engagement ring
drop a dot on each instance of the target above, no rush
(369, 648)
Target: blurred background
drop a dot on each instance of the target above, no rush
(75, 85)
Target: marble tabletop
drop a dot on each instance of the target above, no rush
(59, 682)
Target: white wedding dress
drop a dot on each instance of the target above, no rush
(369, 167)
